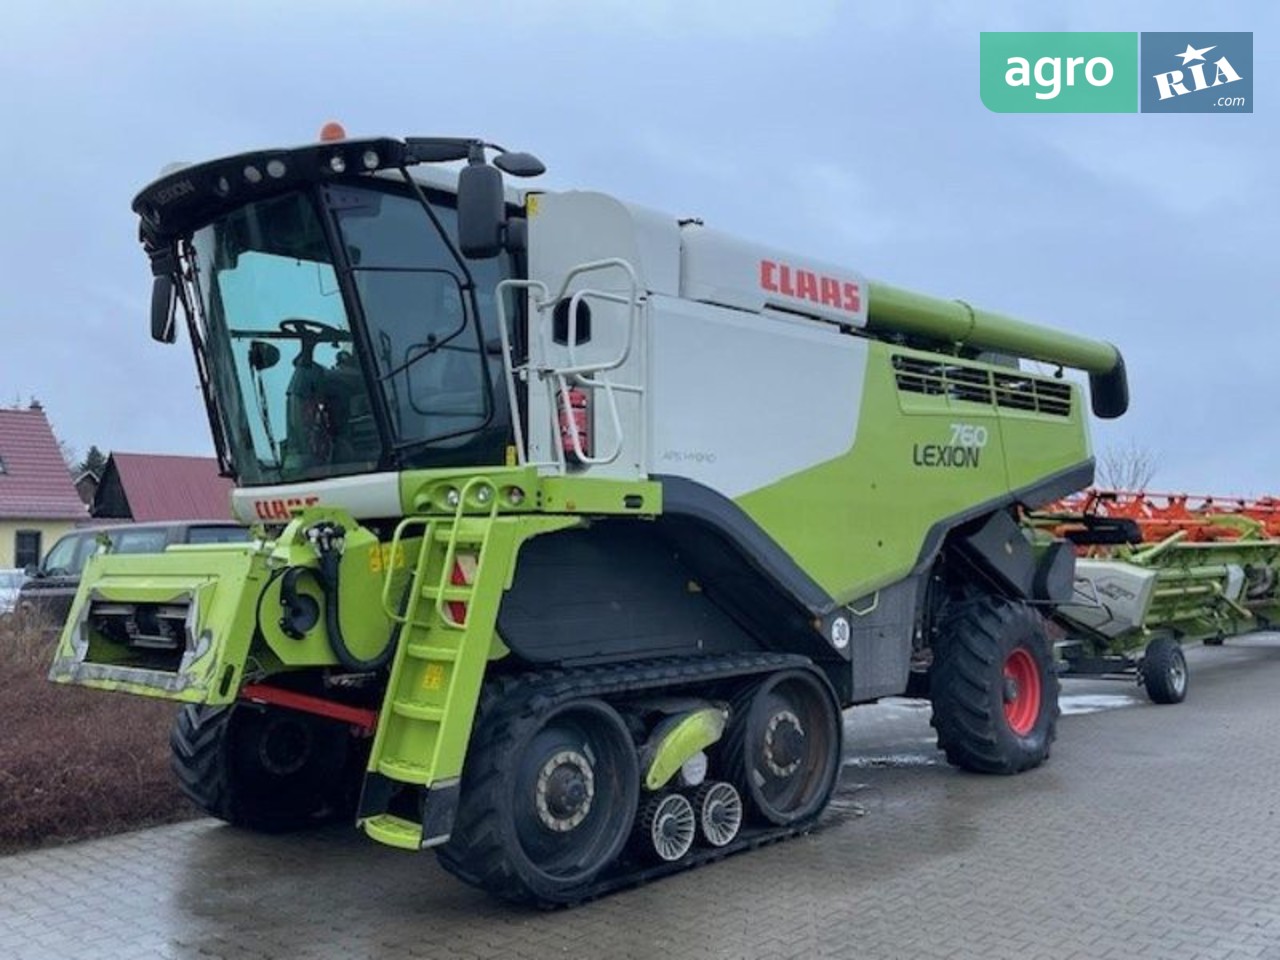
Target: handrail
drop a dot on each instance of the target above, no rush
(557, 379)
(394, 615)
(508, 362)
(451, 550)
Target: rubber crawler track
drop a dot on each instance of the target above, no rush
(478, 859)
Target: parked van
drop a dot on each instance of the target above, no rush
(11, 582)
(52, 586)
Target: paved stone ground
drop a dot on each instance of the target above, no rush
(1152, 833)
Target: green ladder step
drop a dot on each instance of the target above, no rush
(404, 771)
(425, 651)
(465, 534)
(418, 711)
(460, 594)
(394, 831)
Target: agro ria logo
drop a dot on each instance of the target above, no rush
(1197, 73)
(1173, 83)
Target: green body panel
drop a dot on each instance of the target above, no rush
(685, 737)
(365, 568)
(426, 492)
(859, 522)
(602, 496)
(220, 586)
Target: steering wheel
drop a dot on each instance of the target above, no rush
(304, 328)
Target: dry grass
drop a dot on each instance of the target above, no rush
(76, 763)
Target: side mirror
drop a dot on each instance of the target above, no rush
(519, 164)
(482, 211)
(164, 309)
(31, 570)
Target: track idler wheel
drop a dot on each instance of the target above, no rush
(667, 826)
(719, 809)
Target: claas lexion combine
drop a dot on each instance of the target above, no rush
(1160, 569)
(578, 524)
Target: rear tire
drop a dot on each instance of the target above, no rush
(263, 768)
(994, 688)
(1164, 671)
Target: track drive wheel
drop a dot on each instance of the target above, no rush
(994, 688)
(782, 748)
(1164, 671)
(548, 801)
(263, 768)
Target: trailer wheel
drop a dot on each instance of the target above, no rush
(262, 768)
(1164, 671)
(548, 801)
(782, 748)
(994, 689)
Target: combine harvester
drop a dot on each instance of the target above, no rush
(1157, 570)
(578, 523)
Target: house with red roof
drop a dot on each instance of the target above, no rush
(38, 499)
(144, 487)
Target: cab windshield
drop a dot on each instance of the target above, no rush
(323, 366)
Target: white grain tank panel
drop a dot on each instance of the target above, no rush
(567, 230)
(738, 401)
(722, 269)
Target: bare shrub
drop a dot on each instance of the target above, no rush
(76, 763)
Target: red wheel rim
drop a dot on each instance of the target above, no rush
(1021, 692)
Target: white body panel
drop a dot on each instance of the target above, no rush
(738, 401)
(718, 268)
(365, 496)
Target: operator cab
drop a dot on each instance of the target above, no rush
(338, 326)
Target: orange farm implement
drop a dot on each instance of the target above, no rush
(1157, 570)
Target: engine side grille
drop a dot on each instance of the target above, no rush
(972, 384)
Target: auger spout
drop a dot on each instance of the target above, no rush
(894, 310)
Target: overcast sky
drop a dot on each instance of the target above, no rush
(849, 131)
